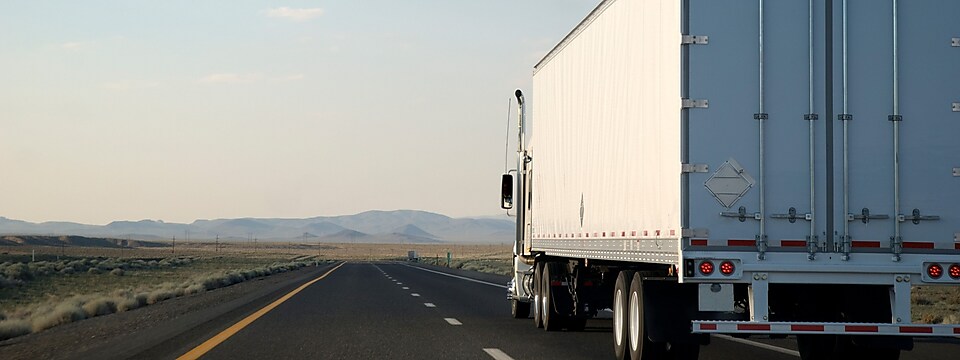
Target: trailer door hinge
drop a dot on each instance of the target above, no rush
(956, 171)
(695, 103)
(695, 233)
(955, 42)
(694, 168)
(955, 106)
(694, 40)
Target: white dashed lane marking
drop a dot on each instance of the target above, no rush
(453, 321)
(414, 294)
(497, 354)
(430, 305)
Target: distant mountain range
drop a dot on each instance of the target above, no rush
(396, 226)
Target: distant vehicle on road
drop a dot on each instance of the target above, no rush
(742, 167)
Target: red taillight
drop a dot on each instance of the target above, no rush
(706, 268)
(954, 271)
(726, 268)
(935, 271)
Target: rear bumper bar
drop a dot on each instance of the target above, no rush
(749, 327)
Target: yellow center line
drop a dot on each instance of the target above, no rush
(208, 345)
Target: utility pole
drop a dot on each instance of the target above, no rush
(216, 246)
(174, 250)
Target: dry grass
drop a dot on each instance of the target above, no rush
(63, 286)
(936, 304)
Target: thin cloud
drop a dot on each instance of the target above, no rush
(74, 45)
(295, 14)
(229, 78)
(293, 77)
(125, 85)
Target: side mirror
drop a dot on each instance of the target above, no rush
(506, 191)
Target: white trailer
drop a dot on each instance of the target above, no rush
(744, 167)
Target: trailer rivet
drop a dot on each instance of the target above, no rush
(756, 276)
(898, 320)
(764, 317)
(899, 278)
(764, 276)
(906, 278)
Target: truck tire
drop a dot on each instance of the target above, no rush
(519, 309)
(551, 319)
(537, 274)
(640, 345)
(621, 292)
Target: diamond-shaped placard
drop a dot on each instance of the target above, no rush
(729, 183)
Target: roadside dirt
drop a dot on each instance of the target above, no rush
(98, 335)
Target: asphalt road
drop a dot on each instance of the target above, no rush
(398, 311)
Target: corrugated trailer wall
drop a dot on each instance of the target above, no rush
(607, 129)
(917, 127)
(606, 137)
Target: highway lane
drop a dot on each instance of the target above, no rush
(396, 311)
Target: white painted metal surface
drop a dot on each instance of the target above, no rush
(606, 133)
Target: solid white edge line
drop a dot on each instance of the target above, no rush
(759, 345)
(497, 354)
(457, 276)
(453, 321)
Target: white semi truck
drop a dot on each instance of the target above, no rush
(742, 167)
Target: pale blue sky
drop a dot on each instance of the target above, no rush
(184, 110)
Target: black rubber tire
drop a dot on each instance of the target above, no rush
(640, 346)
(552, 320)
(621, 292)
(519, 309)
(537, 274)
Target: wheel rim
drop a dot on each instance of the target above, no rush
(544, 308)
(618, 317)
(634, 322)
(536, 307)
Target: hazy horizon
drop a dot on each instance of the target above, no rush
(179, 110)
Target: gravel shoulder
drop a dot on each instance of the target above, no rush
(141, 333)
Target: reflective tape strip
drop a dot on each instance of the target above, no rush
(733, 242)
(917, 245)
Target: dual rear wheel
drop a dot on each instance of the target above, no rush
(630, 338)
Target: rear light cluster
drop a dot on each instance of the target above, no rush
(711, 267)
(936, 271)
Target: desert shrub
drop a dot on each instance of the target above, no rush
(18, 271)
(66, 312)
(117, 272)
(920, 300)
(159, 295)
(100, 306)
(68, 270)
(13, 328)
(931, 319)
(194, 289)
(94, 271)
(7, 283)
